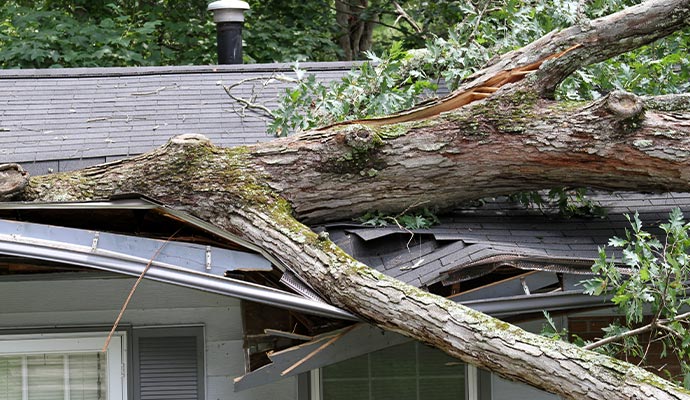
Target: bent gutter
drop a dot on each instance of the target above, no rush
(134, 201)
(56, 251)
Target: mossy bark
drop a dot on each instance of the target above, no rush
(515, 140)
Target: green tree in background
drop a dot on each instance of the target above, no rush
(484, 30)
(288, 31)
(58, 33)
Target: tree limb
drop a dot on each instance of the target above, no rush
(513, 140)
(600, 39)
(13, 181)
(660, 324)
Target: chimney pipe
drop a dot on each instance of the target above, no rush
(229, 18)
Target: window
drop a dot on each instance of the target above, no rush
(65, 366)
(413, 371)
(410, 371)
(502, 389)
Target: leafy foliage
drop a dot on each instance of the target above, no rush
(377, 88)
(486, 29)
(421, 219)
(569, 202)
(653, 282)
(551, 331)
(53, 33)
(280, 31)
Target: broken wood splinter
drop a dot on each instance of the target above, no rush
(455, 100)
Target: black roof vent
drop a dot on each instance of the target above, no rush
(229, 18)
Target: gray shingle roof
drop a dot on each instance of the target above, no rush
(477, 239)
(62, 119)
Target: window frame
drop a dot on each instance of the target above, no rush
(78, 342)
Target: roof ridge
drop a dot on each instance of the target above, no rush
(91, 72)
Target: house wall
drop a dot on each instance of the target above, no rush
(82, 302)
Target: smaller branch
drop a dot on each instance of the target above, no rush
(602, 39)
(131, 292)
(152, 92)
(670, 331)
(650, 340)
(678, 317)
(249, 103)
(616, 338)
(661, 324)
(480, 16)
(402, 14)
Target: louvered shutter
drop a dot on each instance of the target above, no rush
(169, 364)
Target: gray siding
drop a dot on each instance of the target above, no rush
(88, 302)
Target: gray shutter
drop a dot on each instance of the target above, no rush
(168, 364)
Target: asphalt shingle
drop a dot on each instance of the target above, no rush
(89, 114)
(474, 237)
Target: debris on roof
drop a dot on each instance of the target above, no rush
(66, 119)
(499, 250)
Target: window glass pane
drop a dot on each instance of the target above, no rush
(10, 378)
(503, 389)
(394, 389)
(75, 376)
(357, 367)
(396, 361)
(410, 371)
(433, 362)
(355, 389)
(87, 377)
(442, 388)
(46, 376)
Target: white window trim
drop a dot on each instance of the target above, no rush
(75, 343)
(472, 382)
(315, 384)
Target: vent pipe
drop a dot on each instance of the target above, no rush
(229, 18)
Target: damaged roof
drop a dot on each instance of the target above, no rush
(477, 240)
(136, 236)
(58, 120)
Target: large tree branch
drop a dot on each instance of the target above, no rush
(555, 56)
(599, 40)
(507, 143)
(514, 140)
(219, 186)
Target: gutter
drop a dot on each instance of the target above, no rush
(61, 251)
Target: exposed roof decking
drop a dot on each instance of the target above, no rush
(57, 120)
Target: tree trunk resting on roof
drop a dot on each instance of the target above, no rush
(514, 139)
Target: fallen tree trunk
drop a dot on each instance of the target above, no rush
(516, 139)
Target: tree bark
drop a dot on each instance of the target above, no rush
(517, 139)
(356, 31)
